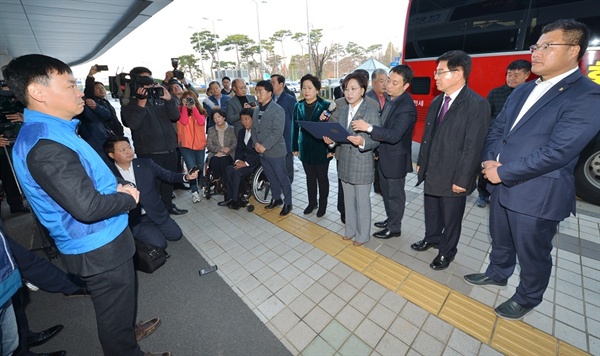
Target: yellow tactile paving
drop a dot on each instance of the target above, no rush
(464, 313)
(357, 257)
(291, 223)
(307, 234)
(386, 272)
(469, 315)
(331, 243)
(565, 349)
(424, 292)
(518, 338)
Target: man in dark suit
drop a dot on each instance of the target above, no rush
(455, 128)
(529, 156)
(150, 221)
(246, 161)
(287, 102)
(267, 128)
(238, 101)
(395, 148)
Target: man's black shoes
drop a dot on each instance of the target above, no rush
(480, 279)
(36, 339)
(274, 203)
(381, 224)
(176, 211)
(511, 310)
(286, 210)
(386, 234)
(422, 246)
(441, 262)
(224, 202)
(234, 205)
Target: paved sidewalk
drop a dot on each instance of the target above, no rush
(318, 305)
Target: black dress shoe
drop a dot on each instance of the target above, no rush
(176, 211)
(274, 203)
(309, 209)
(224, 202)
(36, 339)
(480, 279)
(422, 246)
(386, 234)
(511, 310)
(381, 224)
(20, 209)
(321, 211)
(234, 205)
(441, 262)
(286, 210)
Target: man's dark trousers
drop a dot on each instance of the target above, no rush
(440, 212)
(109, 290)
(169, 162)
(233, 180)
(394, 200)
(528, 238)
(155, 234)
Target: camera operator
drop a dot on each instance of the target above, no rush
(99, 119)
(179, 75)
(151, 119)
(10, 125)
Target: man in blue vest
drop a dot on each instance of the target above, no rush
(76, 196)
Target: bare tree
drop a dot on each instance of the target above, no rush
(319, 55)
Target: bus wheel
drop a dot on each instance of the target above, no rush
(587, 173)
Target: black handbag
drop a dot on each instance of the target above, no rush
(148, 258)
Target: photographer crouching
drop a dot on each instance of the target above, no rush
(11, 117)
(150, 114)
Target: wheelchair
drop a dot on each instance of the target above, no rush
(255, 184)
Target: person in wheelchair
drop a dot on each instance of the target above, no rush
(247, 159)
(221, 144)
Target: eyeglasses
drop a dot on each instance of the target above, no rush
(350, 89)
(544, 46)
(435, 72)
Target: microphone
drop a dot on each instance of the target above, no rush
(329, 110)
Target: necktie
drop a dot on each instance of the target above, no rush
(444, 109)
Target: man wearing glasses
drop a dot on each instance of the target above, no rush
(449, 158)
(529, 156)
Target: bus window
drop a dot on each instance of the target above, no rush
(420, 85)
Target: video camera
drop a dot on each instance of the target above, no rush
(124, 86)
(176, 73)
(9, 105)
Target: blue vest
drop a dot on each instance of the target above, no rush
(71, 236)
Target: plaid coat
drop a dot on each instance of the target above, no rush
(356, 166)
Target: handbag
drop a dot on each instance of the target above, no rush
(148, 258)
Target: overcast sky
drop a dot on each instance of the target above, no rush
(167, 34)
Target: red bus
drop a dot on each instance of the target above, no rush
(495, 33)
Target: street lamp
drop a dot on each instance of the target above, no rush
(259, 42)
(216, 44)
(308, 37)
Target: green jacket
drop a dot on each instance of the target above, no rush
(312, 150)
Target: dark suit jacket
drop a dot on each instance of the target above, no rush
(450, 153)
(146, 173)
(246, 152)
(268, 131)
(287, 102)
(395, 136)
(234, 107)
(539, 154)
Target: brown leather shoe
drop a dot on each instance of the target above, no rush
(145, 328)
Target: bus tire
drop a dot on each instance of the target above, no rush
(587, 173)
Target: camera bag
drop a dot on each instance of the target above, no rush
(148, 258)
